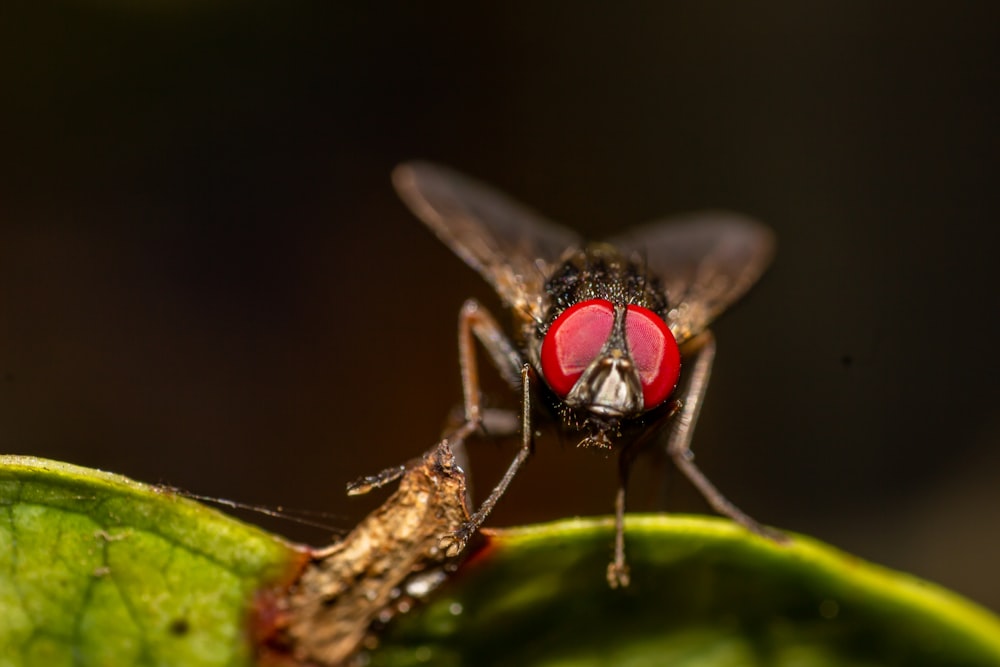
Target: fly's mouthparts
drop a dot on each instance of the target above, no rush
(600, 440)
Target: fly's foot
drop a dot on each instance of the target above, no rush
(455, 543)
(618, 576)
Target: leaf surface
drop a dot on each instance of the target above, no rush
(96, 569)
(704, 592)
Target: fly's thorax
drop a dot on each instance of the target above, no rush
(600, 271)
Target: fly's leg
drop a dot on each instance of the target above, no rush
(475, 323)
(682, 429)
(618, 574)
(453, 544)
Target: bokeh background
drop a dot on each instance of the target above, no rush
(207, 281)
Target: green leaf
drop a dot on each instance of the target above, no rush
(704, 592)
(96, 569)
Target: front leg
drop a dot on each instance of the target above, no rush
(476, 323)
(618, 574)
(453, 544)
(682, 429)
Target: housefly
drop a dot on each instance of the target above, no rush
(617, 332)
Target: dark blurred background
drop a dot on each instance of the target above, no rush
(207, 281)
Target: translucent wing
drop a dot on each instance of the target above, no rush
(705, 260)
(514, 248)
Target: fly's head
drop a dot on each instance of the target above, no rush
(604, 349)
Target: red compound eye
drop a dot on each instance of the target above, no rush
(654, 353)
(573, 341)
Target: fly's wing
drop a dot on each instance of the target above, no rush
(512, 247)
(706, 261)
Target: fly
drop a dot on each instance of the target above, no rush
(617, 332)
